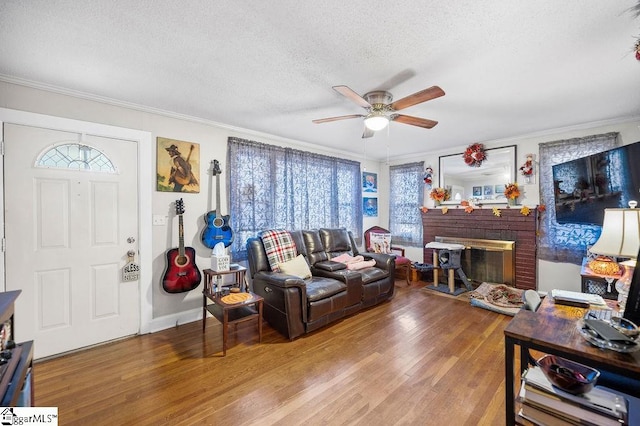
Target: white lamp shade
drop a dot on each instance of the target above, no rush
(376, 121)
(620, 235)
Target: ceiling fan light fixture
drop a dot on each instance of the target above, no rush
(376, 121)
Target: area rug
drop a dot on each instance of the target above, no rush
(499, 298)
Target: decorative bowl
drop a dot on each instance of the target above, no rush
(567, 375)
(625, 326)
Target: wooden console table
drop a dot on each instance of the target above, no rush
(552, 330)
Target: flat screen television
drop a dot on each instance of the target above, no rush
(586, 186)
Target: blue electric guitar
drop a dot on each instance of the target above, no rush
(217, 227)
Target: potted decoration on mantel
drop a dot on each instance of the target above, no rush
(438, 195)
(512, 192)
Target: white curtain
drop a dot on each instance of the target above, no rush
(406, 193)
(566, 242)
(272, 187)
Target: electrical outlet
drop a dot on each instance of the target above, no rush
(159, 220)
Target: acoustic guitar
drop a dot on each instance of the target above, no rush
(181, 273)
(217, 227)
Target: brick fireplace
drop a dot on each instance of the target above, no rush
(482, 224)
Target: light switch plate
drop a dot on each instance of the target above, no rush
(159, 220)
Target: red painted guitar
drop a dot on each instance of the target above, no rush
(181, 273)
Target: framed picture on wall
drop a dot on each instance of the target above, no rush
(488, 191)
(369, 182)
(477, 191)
(178, 166)
(369, 207)
(498, 189)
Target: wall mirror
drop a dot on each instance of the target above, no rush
(483, 184)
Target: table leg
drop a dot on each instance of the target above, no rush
(435, 268)
(225, 331)
(509, 387)
(241, 282)
(260, 321)
(204, 310)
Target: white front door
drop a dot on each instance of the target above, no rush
(68, 228)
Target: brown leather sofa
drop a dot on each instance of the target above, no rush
(294, 306)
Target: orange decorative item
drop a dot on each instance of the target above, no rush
(439, 195)
(464, 203)
(511, 191)
(424, 209)
(603, 265)
(468, 209)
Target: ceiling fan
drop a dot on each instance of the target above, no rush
(381, 109)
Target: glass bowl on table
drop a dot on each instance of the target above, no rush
(569, 376)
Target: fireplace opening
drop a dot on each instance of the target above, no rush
(486, 260)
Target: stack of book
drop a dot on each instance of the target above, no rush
(544, 404)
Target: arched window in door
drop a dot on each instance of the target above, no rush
(76, 156)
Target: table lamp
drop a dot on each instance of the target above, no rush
(620, 237)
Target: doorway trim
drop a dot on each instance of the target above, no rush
(143, 140)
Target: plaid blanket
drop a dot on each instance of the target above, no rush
(279, 247)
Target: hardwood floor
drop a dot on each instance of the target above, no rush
(420, 359)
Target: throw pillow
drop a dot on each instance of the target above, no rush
(297, 267)
(380, 243)
(279, 247)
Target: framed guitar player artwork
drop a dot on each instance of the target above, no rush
(178, 166)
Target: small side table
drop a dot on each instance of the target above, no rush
(238, 271)
(595, 284)
(231, 313)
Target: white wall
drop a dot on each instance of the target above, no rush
(168, 309)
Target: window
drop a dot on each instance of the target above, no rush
(566, 242)
(406, 195)
(76, 156)
(274, 187)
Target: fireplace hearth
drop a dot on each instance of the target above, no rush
(482, 260)
(482, 224)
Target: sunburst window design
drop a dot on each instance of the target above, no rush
(76, 156)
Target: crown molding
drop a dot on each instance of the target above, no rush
(170, 114)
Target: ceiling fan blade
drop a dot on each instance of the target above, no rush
(418, 97)
(348, 93)
(342, 117)
(367, 133)
(414, 121)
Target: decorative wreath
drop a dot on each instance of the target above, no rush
(474, 155)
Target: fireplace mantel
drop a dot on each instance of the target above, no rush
(483, 224)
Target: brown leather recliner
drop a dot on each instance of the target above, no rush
(294, 306)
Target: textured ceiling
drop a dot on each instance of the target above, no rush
(508, 67)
